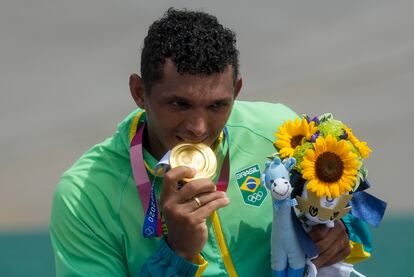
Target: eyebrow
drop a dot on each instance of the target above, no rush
(183, 99)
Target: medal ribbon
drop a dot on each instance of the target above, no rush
(152, 222)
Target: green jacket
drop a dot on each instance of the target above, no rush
(97, 218)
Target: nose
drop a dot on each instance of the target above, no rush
(197, 125)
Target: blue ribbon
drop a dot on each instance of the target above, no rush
(367, 207)
(151, 218)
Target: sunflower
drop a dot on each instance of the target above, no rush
(331, 168)
(292, 134)
(361, 146)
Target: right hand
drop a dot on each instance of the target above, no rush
(186, 221)
(332, 243)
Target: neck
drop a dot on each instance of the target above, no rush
(153, 145)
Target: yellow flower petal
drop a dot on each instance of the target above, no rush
(289, 134)
(324, 185)
(335, 190)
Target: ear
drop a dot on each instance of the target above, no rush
(237, 87)
(276, 161)
(136, 86)
(289, 163)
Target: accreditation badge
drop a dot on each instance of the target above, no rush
(248, 180)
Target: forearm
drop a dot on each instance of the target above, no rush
(165, 262)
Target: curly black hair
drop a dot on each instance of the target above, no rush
(195, 41)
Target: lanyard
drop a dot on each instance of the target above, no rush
(152, 222)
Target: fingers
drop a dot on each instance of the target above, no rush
(188, 190)
(172, 177)
(333, 244)
(345, 250)
(205, 199)
(209, 199)
(196, 187)
(325, 238)
(181, 201)
(207, 209)
(338, 251)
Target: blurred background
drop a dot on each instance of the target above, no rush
(64, 68)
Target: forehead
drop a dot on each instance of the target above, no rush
(194, 87)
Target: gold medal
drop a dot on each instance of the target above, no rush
(198, 156)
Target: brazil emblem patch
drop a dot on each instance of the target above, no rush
(248, 180)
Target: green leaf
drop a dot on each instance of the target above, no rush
(325, 117)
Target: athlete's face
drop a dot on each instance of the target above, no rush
(186, 108)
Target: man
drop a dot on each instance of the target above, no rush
(186, 93)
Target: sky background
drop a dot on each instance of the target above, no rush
(64, 69)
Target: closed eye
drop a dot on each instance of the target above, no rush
(181, 105)
(218, 105)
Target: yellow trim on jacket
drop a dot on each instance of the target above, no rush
(228, 262)
(202, 265)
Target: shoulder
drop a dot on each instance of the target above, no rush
(96, 181)
(262, 118)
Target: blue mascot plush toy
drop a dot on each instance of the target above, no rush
(287, 255)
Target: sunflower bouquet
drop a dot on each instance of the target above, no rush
(329, 161)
